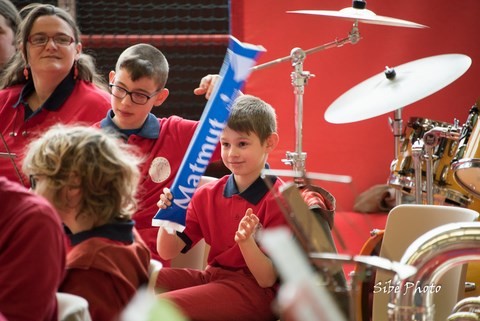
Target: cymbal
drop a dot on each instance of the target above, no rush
(408, 83)
(362, 15)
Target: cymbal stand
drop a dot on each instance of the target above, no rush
(417, 155)
(353, 38)
(299, 80)
(429, 173)
(397, 126)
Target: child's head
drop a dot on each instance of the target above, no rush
(248, 138)
(84, 171)
(250, 114)
(144, 60)
(137, 85)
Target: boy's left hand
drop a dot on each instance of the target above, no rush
(206, 86)
(165, 199)
(247, 226)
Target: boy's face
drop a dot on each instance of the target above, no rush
(130, 114)
(244, 155)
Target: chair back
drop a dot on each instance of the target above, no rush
(405, 223)
(153, 269)
(72, 307)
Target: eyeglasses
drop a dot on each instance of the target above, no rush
(137, 98)
(33, 181)
(41, 39)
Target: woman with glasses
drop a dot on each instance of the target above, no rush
(49, 81)
(91, 178)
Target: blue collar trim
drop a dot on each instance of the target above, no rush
(150, 128)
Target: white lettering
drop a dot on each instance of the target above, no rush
(387, 287)
(200, 164)
(187, 196)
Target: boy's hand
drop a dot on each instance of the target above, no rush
(206, 85)
(165, 199)
(247, 226)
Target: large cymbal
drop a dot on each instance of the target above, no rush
(410, 82)
(361, 15)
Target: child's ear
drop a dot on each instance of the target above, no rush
(111, 76)
(161, 97)
(272, 142)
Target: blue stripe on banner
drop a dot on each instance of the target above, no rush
(236, 68)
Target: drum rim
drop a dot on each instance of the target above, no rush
(462, 164)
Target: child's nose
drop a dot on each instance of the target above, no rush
(127, 100)
(233, 151)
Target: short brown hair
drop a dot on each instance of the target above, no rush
(252, 114)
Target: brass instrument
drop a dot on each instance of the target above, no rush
(432, 254)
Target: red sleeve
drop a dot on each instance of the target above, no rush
(32, 266)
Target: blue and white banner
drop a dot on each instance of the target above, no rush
(237, 66)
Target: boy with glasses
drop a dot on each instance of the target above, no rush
(137, 86)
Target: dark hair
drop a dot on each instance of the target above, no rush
(251, 114)
(144, 60)
(13, 74)
(26, 9)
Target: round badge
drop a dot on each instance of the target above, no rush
(159, 169)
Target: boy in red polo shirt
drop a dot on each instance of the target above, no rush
(239, 281)
(137, 86)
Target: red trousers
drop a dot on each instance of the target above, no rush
(216, 294)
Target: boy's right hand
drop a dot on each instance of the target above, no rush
(206, 86)
(165, 199)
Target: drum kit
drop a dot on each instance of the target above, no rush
(434, 163)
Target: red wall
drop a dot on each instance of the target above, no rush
(364, 149)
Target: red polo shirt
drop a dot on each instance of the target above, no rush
(163, 143)
(71, 102)
(32, 255)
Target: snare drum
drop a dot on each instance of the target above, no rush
(402, 169)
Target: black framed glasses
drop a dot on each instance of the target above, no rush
(136, 97)
(41, 39)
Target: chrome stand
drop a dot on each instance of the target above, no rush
(397, 126)
(299, 80)
(417, 155)
(429, 173)
(431, 139)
